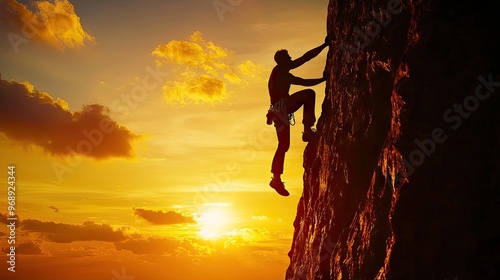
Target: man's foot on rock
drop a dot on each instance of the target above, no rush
(308, 134)
(279, 187)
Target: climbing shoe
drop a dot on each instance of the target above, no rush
(308, 134)
(279, 187)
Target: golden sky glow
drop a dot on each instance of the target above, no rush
(50, 22)
(138, 133)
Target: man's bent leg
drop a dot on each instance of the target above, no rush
(307, 98)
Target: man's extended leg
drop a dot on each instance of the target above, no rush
(283, 131)
(307, 98)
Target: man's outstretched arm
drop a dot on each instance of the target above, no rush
(308, 55)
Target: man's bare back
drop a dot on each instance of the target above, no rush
(279, 83)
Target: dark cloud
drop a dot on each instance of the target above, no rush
(154, 246)
(28, 248)
(33, 117)
(163, 218)
(66, 233)
(55, 209)
(3, 218)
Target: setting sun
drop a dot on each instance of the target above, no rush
(214, 223)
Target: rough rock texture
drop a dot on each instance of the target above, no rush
(404, 180)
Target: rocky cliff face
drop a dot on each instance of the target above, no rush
(404, 180)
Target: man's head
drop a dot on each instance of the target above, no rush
(282, 57)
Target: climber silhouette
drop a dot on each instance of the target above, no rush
(283, 105)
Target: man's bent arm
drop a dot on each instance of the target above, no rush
(308, 56)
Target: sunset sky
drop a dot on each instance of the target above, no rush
(138, 133)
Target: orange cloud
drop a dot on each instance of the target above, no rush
(195, 52)
(203, 73)
(202, 89)
(253, 71)
(67, 233)
(29, 116)
(153, 246)
(52, 22)
(162, 218)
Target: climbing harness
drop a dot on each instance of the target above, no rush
(277, 109)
